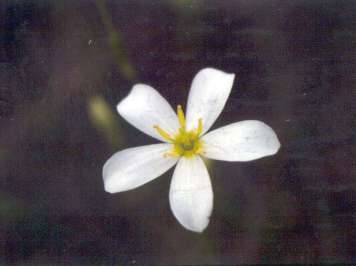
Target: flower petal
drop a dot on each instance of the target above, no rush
(191, 195)
(134, 167)
(144, 107)
(241, 141)
(207, 97)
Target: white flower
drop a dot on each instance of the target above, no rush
(184, 142)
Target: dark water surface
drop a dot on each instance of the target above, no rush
(64, 65)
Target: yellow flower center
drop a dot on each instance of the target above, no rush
(185, 143)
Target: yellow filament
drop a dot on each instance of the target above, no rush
(163, 133)
(171, 153)
(200, 126)
(181, 117)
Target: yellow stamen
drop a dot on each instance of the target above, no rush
(181, 117)
(171, 153)
(185, 143)
(163, 133)
(200, 126)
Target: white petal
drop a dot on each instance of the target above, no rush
(134, 167)
(144, 107)
(242, 141)
(191, 195)
(207, 97)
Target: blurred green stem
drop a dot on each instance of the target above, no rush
(116, 42)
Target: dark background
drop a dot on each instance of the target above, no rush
(64, 65)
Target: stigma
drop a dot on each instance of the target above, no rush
(186, 143)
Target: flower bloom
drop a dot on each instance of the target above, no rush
(185, 140)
